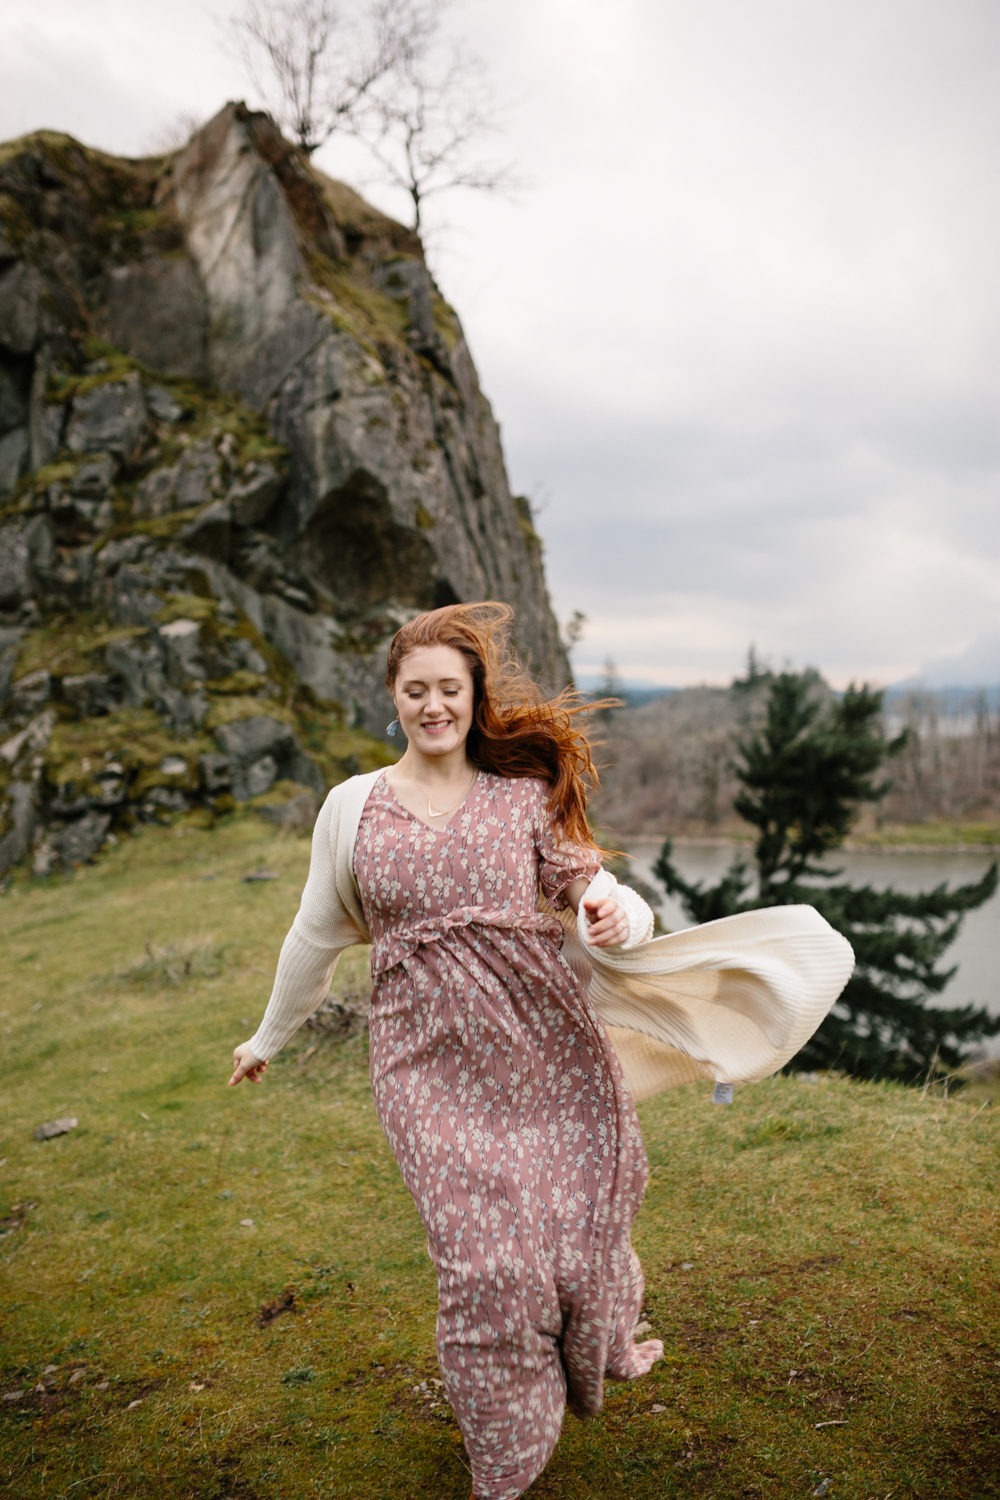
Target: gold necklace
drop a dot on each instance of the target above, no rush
(447, 811)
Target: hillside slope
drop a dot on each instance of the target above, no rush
(226, 1293)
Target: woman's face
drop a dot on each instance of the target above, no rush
(434, 699)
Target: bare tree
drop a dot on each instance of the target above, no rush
(423, 122)
(313, 67)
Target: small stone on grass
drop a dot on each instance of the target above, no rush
(54, 1127)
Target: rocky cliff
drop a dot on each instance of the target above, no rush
(241, 440)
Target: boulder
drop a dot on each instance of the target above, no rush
(90, 694)
(156, 311)
(34, 737)
(140, 665)
(184, 712)
(79, 841)
(213, 772)
(30, 693)
(112, 417)
(94, 477)
(194, 480)
(22, 818)
(199, 477)
(341, 1015)
(298, 812)
(165, 799)
(162, 404)
(133, 600)
(209, 533)
(182, 640)
(255, 494)
(157, 494)
(261, 749)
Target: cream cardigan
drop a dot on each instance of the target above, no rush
(732, 1000)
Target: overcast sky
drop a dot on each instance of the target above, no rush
(741, 331)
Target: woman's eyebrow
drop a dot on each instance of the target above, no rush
(409, 682)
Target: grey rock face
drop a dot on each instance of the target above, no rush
(254, 496)
(185, 664)
(184, 712)
(193, 480)
(140, 666)
(90, 694)
(15, 391)
(156, 311)
(30, 694)
(20, 291)
(15, 566)
(209, 533)
(22, 818)
(14, 447)
(94, 477)
(298, 812)
(213, 771)
(110, 416)
(10, 640)
(367, 483)
(79, 841)
(162, 405)
(259, 751)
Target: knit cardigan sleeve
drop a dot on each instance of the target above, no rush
(322, 929)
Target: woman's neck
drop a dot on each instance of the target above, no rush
(432, 770)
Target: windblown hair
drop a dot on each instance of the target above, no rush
(515, 730)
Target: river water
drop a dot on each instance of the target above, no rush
(976, 951)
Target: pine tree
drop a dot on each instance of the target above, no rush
(804, 773)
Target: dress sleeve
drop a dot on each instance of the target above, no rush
(559, 863)
(321, 931)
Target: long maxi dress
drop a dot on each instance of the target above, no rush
(507, 1111)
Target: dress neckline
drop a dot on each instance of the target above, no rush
(422, 821)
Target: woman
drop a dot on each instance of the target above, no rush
(494, 1080)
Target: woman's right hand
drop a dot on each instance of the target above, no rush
(245, 1065)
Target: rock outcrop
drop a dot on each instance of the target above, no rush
(241, 440)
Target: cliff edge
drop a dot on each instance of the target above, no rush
(242, 440)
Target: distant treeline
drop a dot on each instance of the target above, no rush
(666, 764)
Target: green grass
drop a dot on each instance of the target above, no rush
(845, 1232)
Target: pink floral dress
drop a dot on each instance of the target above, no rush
(507, 1112)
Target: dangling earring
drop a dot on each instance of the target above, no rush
(390, 729)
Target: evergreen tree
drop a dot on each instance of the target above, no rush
(805, 772)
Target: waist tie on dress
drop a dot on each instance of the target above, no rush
(401, 940)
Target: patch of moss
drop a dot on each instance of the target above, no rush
(64, 386)
(447, 324)
(423, 518)
(242, 681)
(231, 710)
(17, 226)
(369, 315)
(68, 648)
(59, 473)
(134, 738)
(187, 607)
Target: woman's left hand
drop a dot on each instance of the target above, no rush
(608, 923)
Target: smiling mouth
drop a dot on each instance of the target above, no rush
(436, 726)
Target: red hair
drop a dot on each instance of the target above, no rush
(515, 730)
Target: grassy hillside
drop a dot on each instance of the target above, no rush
(821, 1259)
